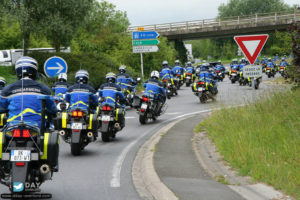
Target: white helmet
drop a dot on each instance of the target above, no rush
(63, 76)
(165, 62)
(155, 74)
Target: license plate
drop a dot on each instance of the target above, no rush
(144, 106)
(233, 74)
(188, 77)
(281, 70)
(20, 155)
(200, 89)
(268, 70)
(105, 118)
(76, 126)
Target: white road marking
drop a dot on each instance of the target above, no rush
(130, 117)
(174, 113)
(115, 182)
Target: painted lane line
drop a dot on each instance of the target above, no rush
(173, 113)
(116, 170)
(130, 117)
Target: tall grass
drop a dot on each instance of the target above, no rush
(262, 140)
(8, 73)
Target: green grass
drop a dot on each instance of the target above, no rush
(8, 74)
(262, 140)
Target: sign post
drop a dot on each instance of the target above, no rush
(251, 45)
(144, 42)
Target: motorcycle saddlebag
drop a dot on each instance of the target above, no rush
(93, 123)
(136, 103)
(3, 119)
(50, 148)
(119, 114)
(61, 121)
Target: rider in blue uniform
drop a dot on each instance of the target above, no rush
(190, 69)
(112, 95)
(22, 99)
(60, 88)
(154, 86)
(125, 81)
(177, 69)
(271, 65)
(166, 72)
(81, 95)
(2, 84)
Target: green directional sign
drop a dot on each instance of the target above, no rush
(144, 42)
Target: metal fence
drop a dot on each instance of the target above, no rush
(251, 20)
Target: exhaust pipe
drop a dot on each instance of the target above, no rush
(90, 134)
(45, 169)
(62, 133)
(117, 126)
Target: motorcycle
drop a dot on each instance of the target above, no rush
(178, 81)
(282, 71)
(77, 127)
(220, 75)
(242, 79)
(188, 79)
(256, 82)
(200, 90)
(270, 72)
(170, 88)
(61, 104)
(233, 76)
(149, 108)
(109, 121)
(29, 155)
(129, 94)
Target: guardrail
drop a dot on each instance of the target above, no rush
(251, 20)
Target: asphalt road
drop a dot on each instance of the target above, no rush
(103, 171)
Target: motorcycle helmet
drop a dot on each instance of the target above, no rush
(165, 63)
(154, 75)
(26, 67)
(177, 62)
(110, 77)
(62, 77)
(269, 59)
(82, 76)
(122, 69)
(2, 81)
(189, 64)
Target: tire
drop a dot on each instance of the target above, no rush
(75, 149)
(269, 75)
(187, 84)
(240, 82)
(203, 99)
(232, 81)
(143, 119)
(105, 137)
(168, 96)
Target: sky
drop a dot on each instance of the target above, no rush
(148, 12)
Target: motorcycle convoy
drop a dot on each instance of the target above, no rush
(29, 151)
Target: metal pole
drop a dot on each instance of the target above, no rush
(142, 66)
(252, 80)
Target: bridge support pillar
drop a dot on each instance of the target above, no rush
(181, 50)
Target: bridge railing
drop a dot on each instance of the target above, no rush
(257, 19)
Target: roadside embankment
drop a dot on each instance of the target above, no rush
(261, 140)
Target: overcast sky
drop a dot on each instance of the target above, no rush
(147, 12)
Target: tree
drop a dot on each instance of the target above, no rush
(62, 18)
(249, 7)
(28, 13)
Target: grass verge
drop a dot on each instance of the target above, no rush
(261, 140)
(8, 74)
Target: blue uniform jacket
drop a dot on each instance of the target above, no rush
(111, 91)
(124, 80)
(190, 70)
(178, 70)
(166, 73)
(16, 102)
(270, 64)
(155, 87)
(60, 88)
(78, 96)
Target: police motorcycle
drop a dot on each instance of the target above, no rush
(109, 119)
(111, 113)
(282, 69)
(29, 154)
(152, 103)
(233, 73)
(242, 79)
(178, 80)
(256, 82)
(78, 126)
(61, 104)
(200, 89)
(170, 88)
(270, 71)
(218, 70)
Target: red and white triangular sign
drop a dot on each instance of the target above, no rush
(251, 45)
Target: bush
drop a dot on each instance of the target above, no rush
(96, 64)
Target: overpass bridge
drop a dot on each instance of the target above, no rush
(223, 27)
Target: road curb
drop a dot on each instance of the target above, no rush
(145, 178)
(213, 163)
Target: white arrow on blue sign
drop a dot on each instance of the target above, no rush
(55, 66)
(140, 35)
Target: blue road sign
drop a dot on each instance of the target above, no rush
(54, 66)
(140, 35)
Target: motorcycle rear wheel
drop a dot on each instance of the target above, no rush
(143, 119)
(105, 137)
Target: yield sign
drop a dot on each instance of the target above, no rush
(251, 45)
